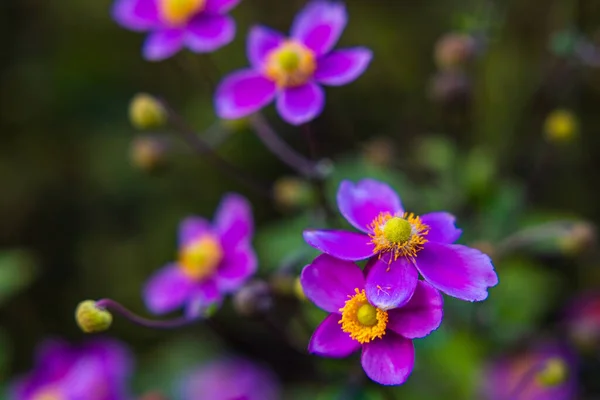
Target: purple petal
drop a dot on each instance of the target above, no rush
(459, 271)
(441, 227)
(319, 25)
(207, 32)
(421, 316)
(330, 340)
(389, 360)
(261, 40)
(236, 269)
(342, 66)
(137, 15)
(301, 104)
(192, 228)
(163, 44)
(167, 290)
(351, 246)
(328, 282)
(391, 285)
(201, 297)
(233, 221)
(219, 6)
(242, 93)
(362, 202)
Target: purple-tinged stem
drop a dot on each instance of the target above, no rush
(281, 149)
(526, 380)
(118, 308)
(202, 148)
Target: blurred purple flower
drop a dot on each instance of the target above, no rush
(291, 69)
(96, 370)
(231, 379)
(583, 320)
(213, 260)
(363, 315)
(200, 25)
(518, 377)
(403, 244)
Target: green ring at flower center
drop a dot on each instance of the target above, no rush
(367, 315)
(397, 230)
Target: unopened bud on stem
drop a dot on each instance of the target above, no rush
(91, 318)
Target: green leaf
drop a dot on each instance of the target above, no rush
(18, 268)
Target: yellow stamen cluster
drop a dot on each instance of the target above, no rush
(403, 236)
(179, 12)
(291, 64)
(361, 320)
(201, 258)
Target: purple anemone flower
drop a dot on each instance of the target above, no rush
(404, 244)
(96, 370)
(200, 25)
(292, 69)
(361, 317)
(231, 378)
(214, 259)
(522, 376)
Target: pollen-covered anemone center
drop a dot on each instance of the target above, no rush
(361, 320)
(178, 12)
(48, 393)
(200, 258)
(290, 64)
(403, 236)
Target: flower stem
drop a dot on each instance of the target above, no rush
(202, 148)
(116, 307)
(524, 382)
(281, 149)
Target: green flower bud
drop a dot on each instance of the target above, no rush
(92, 319)
(554, 373)
(146, 112)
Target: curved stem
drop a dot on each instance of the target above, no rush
(527, 378)
(202, 148)
(281, 149)
(118, 308)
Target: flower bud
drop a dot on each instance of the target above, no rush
(148, 153)
(236, 125)
(146, 112)
(454, 50)
(561, 126)
(92, 319)
(579, 238)
(292, 193)
(254, 298)
(553, 373)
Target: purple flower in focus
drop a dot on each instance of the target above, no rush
(231, 379)
(214, 259)
(292, 69)
(521, 376)
(200, 25)
(403, 243)
(97, 370)
(361, 317)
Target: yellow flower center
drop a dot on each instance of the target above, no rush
(291, 64)
(201, 258)
(361, 320)
(178, 12)
(404, 236)
(48, 393)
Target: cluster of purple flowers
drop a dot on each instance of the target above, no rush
(290, 70)
(383, 307)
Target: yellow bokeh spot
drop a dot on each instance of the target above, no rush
(200, 258)
(402, 236)
(561, 126)
(178, 12)
(554, 372)
(361, 320)
(291, 64)
(146, 112)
